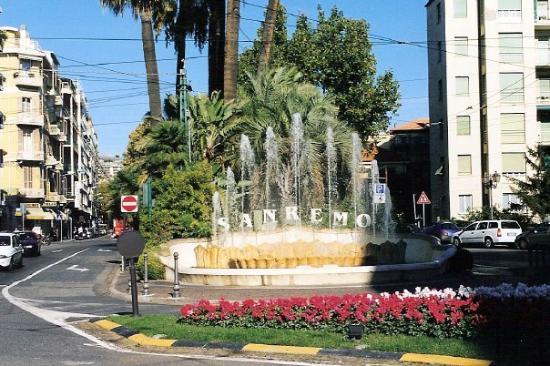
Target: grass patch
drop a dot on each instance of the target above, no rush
(166, 324)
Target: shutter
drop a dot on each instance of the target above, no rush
(464, 164)
(460, 9)
(513, 162)
(462, 86)
(509, 4)
(512, 128)
(511, 87)
(463, 125)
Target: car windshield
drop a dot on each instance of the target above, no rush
(449, 226)
(4, 240)
(27, 236)
(510, 225)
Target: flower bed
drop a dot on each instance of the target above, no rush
(445, 313)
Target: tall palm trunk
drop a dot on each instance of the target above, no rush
(216, 46)
(150, 57)
(231, 71)
(267, 36)
(179, 40)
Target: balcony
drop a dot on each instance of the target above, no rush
(54, 130)
(32, 192)
(30, 155)
(52, 196)
(62, 137)
(58, 100)
(66, 88)
(30, 119)
(542, 16)
(28, 78)
(545, 133)
(62, 199)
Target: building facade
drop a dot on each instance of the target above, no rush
(48, 172)
(489, 95)
(110, 166)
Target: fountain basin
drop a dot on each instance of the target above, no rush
(424, 259)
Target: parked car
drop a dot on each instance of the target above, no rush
(31, 242)
(11, 251)
(443, 230)
(536, 237)
(489, 233)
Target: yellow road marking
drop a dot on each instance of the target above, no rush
(267, 348)
(107, 324)
(148, 341)
(443, 360)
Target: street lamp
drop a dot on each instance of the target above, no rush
(491, 181)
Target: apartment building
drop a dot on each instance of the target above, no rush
(489, 95)
(110, 166)
(46, 130)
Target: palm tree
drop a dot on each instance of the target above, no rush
(267, 37)
(269, 99)
(144, 9)
(167, 146)
(231, 71)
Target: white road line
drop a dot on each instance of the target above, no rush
(59, 318)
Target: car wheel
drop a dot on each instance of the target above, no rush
(38, 251)
(523, 244)
(20, 264)
(488, 243)
(11, 265)
(457, 242)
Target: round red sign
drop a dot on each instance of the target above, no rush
(129, 203)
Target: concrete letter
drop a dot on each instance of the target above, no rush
(269, 216)
(315, 216)
(223, 222)
(340, 218)
(292, 214)
(246, 221)
(363, 220)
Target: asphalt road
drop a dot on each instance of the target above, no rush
(67, 290)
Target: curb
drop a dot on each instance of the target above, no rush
(144, 340)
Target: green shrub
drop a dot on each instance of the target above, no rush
(155, 269)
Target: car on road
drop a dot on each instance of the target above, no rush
(443, 230)
(11, 251)
(534, 238)
(31, 242)
(489, 233)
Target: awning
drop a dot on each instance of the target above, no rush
(37, 213)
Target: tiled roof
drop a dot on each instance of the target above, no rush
(415, 124)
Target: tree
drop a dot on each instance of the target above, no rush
(231, 70)
(144, 9)
(267, 37)
(534, 191)
(167, 146)
(336, 55)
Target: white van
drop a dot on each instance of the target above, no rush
(489, 232)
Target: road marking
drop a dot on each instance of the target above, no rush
(75, 267)
(104, 250)
(57, 250)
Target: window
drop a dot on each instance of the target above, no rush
(461, 46)
(510, 201)
(509, 9)
(511, 87)
(26, 104)
(462, 86)
(461, 9)
(482, 226)
(493, 225)
(544, 88)
(465, 203)
(512, 128)
(513, 163)
(470, 227)
(511, 47)
(510, 225)
(542, 9)
(438, 13)
(464, 164)
(439, 51)
(25, 64)
(440, 89)
(27, 174)
(463, 125)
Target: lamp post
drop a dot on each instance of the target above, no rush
(491, 181)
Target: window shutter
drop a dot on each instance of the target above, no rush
(463, 125)
(509, 4)
(512, 128)
(513, 162)
(464, 164)
(460, 8)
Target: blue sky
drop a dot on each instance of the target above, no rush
(117, 97)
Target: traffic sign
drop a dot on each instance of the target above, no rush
(130, 244)
(129, 204)
(379, 192)
(423, 199)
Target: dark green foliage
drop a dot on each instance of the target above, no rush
(335, 55)
(182, 205)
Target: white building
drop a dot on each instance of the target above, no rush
(110, 166)
(489, 92)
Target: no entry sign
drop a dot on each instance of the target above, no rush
(129, 204)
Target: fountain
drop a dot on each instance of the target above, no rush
(272, 240)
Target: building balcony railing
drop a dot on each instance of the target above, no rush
(30, 119)
(30, 155)
(28, 78)
(32, 192)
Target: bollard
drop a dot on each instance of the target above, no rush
(145, 276)
(122, 264)
(176, 280)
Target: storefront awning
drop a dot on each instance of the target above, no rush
(37, 213)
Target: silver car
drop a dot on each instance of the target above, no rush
(489, 233)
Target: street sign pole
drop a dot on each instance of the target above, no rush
(133, 279)
(423, 215)
(414, 209)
